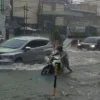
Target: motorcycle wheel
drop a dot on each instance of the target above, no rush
(45, 71)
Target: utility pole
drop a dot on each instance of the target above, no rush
(38, 11)
(26, 15)
(24, 19)
(11, 18)
(11, 13)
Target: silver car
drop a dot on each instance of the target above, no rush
(25, 49)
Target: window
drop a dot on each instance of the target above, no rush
(43, 42)
(13, 43)
(98, 42)
(90, 40)
(37, 43)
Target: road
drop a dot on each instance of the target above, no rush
(24, 82)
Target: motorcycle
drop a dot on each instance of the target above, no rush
(49, 67)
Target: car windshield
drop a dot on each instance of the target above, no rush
(13, 43)
(90, 40)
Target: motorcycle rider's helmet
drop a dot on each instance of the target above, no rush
(60, 48)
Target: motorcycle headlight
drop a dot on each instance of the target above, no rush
(92, 46)
(47, 59)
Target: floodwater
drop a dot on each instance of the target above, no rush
(76, 58)
(24, 82)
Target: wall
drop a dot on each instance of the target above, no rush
(94, 2)
(2, 18)
(2, 24)
(32, 9)
(84, 7)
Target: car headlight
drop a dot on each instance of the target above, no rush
(79, 44)
(92, 46)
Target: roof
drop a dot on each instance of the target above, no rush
(61, 13)
(70, 12)
(29, 29)
(97, 37)
(30, 38)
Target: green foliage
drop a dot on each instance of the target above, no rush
(2, 6)
(94, 33)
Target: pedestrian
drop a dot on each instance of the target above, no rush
(63, 57)
(55, 37)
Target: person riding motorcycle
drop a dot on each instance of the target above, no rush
(63, 57)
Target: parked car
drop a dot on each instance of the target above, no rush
(25, 49)
(90, 43)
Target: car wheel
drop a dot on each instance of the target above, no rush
(88, 49)
(94, 49)
(19, 60)
(80, 48)
(99, 49)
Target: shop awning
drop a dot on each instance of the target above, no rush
(30, 29)
(63, 13)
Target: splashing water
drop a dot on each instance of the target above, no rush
(76, 57)
(22, 67)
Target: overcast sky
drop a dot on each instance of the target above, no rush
(78, 0)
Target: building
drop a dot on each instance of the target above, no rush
(25, 10)
(28, 9)
(2, 19)
(97, 3)
(5, 9)
(63, 15)
(25, 13)
(47, 13)
(2, 24)
(94, 2)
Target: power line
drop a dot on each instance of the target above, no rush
(93, 0)
(23, 7)
(49, 1)
(28, 1)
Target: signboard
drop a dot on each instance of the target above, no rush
(79, 29)
(76, 29)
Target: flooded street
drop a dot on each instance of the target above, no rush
(24, 82)
(30, 29)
